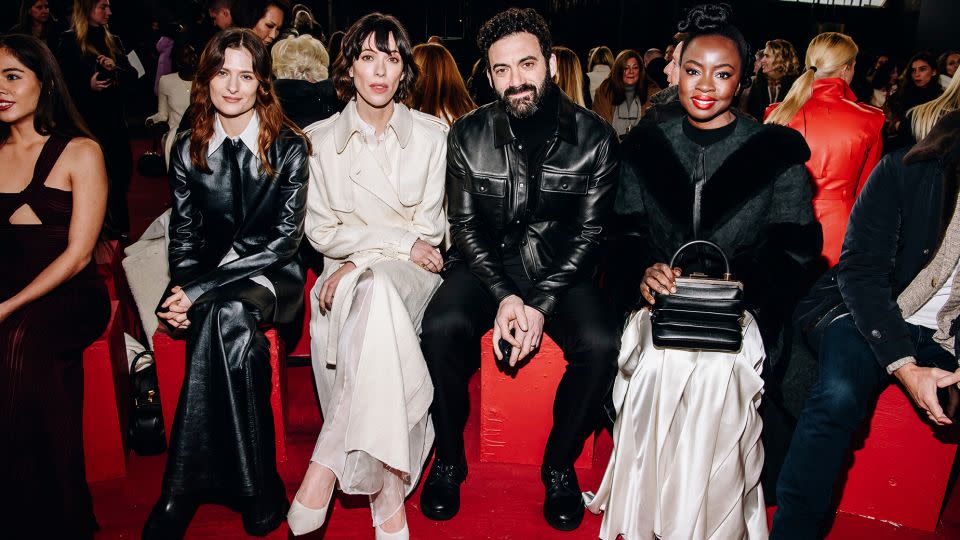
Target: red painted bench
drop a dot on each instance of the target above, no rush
(108, 256)
(106, 403)
(301, 349)
(516, 414)
(170, 357)
(900, 474)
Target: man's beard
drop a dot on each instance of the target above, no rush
(526, 107)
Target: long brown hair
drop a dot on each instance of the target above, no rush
(615, 80)
(569, 75)
(55, 113)
(272, 119)
(439, 90)
(81, 27)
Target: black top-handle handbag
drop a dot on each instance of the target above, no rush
(704, 314)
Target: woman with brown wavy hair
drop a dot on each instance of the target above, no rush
(440, 90)
(238, 179)
(625, 95)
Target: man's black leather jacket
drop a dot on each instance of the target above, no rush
(554, 213)
(260, 217)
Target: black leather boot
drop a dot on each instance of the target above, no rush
(563, 503)
(263, 513)
(170, 517)
(440, 498)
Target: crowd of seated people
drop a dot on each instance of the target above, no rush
(538, 196)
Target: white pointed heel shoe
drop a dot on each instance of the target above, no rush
(303, 520)
(402, 534)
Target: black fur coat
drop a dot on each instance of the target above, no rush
(755, 203)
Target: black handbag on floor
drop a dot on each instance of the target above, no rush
(704, 314)
(146, 434)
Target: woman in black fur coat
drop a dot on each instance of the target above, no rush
(707, 174)
(715, 175)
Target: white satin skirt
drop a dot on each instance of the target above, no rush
(687, 454)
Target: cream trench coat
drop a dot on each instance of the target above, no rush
(356, 213)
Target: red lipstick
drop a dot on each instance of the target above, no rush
(703, 102)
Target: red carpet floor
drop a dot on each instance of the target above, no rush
(499, 501)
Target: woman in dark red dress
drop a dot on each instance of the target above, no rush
(53, 194)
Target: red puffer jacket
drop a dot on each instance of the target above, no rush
(845, 144)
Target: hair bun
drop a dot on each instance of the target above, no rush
(706, 17)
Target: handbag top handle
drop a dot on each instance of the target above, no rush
(726, 263)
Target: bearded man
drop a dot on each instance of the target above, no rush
(531, 180)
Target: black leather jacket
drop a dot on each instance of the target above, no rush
(260, 217)
(554, 213)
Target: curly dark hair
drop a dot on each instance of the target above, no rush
(381, 26)
(717, 20)
(513, 21)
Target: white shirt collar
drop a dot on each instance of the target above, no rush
(250, 135)
(349, 122)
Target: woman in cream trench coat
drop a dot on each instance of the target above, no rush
(374, 208)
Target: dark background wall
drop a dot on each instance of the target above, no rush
(900, 28)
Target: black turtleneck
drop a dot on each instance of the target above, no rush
(706, 137)
(534, 131)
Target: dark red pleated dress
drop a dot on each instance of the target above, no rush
(42, 479)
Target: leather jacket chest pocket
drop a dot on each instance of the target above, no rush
(489, 196)
(560, 192)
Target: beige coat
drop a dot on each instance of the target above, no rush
(356, 212)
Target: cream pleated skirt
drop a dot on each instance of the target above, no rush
(687, 453)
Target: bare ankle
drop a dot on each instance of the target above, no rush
(316, 490)
(396, 522)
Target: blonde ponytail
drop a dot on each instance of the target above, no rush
(924, 117)
(799, 93)
(827, 55)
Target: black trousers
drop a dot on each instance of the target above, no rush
(222, 440)
(463, 310)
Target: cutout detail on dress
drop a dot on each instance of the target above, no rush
(24, 215)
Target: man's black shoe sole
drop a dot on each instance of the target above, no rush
(566, 526)
(439, 516)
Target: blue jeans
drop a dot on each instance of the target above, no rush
(846, 391)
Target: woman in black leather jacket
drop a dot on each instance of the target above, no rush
(238, 178)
